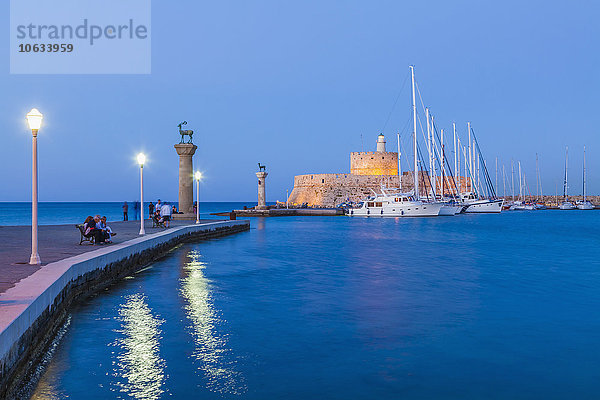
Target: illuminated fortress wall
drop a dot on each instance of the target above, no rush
(373, 163)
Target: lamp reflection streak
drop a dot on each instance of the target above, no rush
(139, 363)
(211, 349)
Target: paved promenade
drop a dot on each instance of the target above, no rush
(56, 242)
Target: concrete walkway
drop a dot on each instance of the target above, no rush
(56, 242)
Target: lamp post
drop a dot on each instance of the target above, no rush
(198, 176)
(34, 120)
(141, 159)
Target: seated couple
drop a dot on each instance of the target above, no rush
(96, 227)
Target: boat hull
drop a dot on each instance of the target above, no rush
(566, 206)
(418, 210)
(492, 206)
(448, 210)
(585, 206)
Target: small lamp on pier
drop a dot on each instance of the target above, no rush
(198, 176)
(34, 120)
(141, 159)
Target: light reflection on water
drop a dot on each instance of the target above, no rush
(139, 369)
(211, 349)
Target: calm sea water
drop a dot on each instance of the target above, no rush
(57, 213)
(467, 307)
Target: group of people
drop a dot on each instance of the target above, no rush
(161, 213)
(136, 210)
(96, 227)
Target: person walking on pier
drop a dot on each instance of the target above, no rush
(150, 209)
(125, 210)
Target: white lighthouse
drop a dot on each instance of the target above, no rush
(381, 143)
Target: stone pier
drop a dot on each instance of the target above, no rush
(33, 309)
(262, 193)
(186, 176)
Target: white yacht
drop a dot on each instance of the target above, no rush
(566, 205)
(474, 204)
(388, 204)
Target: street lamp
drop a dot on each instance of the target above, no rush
(198, 176)
(34, 120)
(141, 159)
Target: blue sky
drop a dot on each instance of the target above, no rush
(293, 85)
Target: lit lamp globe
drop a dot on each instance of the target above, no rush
(34, 120)
(141, 159)
(198, 175)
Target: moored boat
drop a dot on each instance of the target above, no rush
(388, 204)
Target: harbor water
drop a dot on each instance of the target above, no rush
(467, 307)
(58, 213)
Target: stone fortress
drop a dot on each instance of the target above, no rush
(368, 170)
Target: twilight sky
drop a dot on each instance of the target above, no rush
(293, 85)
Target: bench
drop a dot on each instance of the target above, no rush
(157, 223)
(84, 238)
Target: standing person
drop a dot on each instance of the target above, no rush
(136, 209)
(158, 206)
(150, 210)
(125, 209)
(165, 213)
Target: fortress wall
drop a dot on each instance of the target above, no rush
(329, 190)
(373, 163)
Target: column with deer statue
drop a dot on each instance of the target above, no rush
(262, 193)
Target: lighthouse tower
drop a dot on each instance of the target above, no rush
(381, 143)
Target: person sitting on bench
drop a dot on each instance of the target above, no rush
(108, 233)
(90, 230)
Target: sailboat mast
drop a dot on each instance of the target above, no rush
(414, 106)
(504, 182)
(520, 183)
(442, 165)
(512, 178)
(399, 165)
(433, 169)
(470, 155)
(429, 142)
(456, 174)
(584, 198)
(566, 176)
(496, 187)
(466, 176)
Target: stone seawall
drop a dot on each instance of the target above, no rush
(32, 312)
(329, 190)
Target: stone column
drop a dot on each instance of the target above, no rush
(186, 176)
(262, 196)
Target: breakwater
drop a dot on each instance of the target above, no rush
(32, 312)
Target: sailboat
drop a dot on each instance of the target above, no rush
(390, 203)
(584, 204)
(566, 204)
(472, 201)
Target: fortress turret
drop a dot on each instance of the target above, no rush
(381, 143)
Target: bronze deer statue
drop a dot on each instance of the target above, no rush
(185, 133)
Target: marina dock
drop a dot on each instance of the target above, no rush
(285, 212)
(34, 299)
